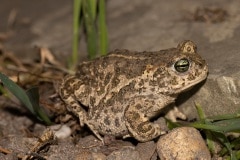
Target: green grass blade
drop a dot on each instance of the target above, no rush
(234, 144)
(33, 95)
(227, 126)
(231, 122)
(76, 28)
(223, 139)
(224, 116)
(171, 124)
(93, 8)
(90, 28)
(210, 141)
(3, 91)
(30, 100)
(238, 154)
(17, 92)
(209, 135)
(200, 112)
(102, 33)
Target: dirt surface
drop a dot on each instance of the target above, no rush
(29, 27)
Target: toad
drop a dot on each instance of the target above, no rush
(120, 93)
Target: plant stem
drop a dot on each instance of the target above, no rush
(76, 26)
(88, 6)
(103, 37)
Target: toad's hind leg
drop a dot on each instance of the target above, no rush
(69, 86)
(138, 124)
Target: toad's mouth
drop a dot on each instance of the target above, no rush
(190, 86)
(192, 83)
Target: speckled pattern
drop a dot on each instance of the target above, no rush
(119, 93)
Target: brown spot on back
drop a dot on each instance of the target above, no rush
(117, 123)
(107, 121)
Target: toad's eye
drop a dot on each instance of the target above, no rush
(182, 65)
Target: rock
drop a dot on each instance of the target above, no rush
(127, 152)
(181, 144)
(219, 95)
(61, 131)
(87, 155)
(146, 150)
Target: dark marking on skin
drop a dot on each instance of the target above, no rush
(141, 82)
(152, 89)
(115, 81)
(138, 106)
(101, 90)
(159, 71)
(197, 73)
(75, 86)
(117, 123)
(106, 121)
(132, 85)
(105, 111)
(150, 68)
(145, 127)
(92, 101)
(191, 77)
(153, 82)
(174, 81)
(108, 130)
(70, 81)
(104, 64)
(117, 109)
(110, 103)
(132, 117)
(101, 76)
(107, 78)
(72, 102)
(117, 70)
(69, 91)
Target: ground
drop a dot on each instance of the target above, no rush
(29, 28)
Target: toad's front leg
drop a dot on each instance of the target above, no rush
(138, 123)
(69, 86)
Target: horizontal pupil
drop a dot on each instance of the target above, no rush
(182, 65)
